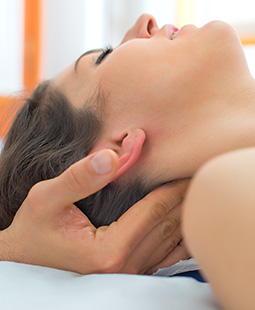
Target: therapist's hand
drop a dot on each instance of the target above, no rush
(49, 230)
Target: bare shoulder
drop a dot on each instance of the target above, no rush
(232, 173)
(241, 158)
(218, 225)
(241, 161)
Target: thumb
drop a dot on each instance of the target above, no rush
(79, 181)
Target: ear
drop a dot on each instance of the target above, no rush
(128, 145)
(130, 148)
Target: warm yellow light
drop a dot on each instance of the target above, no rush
(186, 12)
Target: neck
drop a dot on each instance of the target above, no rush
(204, 130)
(238, 116)
(231, 120)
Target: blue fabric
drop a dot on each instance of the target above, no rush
(192, 274)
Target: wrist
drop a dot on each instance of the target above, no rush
(6, 246)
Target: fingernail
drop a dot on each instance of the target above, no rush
(102, 162)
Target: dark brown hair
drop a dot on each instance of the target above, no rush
(47, 136)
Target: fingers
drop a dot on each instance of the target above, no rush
(149, 212)
(178, 253)
(161, 240)
(166, 247)
(80, 180)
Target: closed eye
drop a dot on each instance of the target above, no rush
(105, 52)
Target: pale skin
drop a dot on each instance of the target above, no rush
(163, 97)
(173, 108)
(219, 226)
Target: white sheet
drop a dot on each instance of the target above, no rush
(33, 287)
(180, 267)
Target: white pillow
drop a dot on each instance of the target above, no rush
(34, 288)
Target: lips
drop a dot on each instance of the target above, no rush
(172, 31)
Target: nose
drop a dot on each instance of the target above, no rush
(145, 27)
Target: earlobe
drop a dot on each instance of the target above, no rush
(131, 147)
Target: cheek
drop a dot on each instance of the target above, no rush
(144, 80)
(136, 67)
(130, 83)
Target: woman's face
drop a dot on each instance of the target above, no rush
(148, 66)
(162, 85)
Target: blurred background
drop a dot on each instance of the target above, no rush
(38, 38)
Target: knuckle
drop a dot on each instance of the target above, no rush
(159, 211)
(174, 219)
(114, 262)
(173, 242)
(167, 229)
(34, 198)
(169, 226)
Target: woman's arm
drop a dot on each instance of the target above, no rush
(219, 226)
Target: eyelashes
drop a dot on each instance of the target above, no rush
(105, 52)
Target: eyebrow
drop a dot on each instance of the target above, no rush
(85, 54)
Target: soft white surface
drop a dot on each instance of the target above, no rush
(33, 287)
